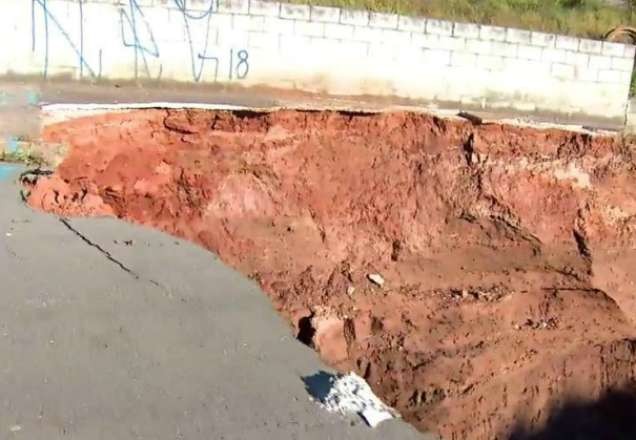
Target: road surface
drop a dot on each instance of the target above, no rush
(112, 331)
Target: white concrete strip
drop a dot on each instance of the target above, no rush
(54, 113)
(138, 105)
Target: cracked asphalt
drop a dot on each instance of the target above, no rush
(113, 331)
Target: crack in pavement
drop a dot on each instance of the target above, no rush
(103, 251)
(110, 257)
(11, 252)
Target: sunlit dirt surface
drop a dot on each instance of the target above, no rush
(507, 253)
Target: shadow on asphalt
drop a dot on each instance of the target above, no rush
(319, 384)
(612, 417)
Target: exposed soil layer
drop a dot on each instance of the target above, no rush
(507, 253)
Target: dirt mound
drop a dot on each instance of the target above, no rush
(507, 253)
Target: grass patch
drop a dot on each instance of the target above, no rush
(22, 157)
(27, 158)
(583, 18)
(23, 153)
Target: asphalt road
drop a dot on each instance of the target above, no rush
(113, 331)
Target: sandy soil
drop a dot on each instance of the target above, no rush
(507, 253)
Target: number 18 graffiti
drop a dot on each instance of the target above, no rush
(241, 68)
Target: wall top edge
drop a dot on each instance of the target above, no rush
(244, 7)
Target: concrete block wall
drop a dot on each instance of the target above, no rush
(317, 49)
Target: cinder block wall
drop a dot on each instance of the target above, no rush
(316, 49)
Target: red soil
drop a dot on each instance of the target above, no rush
(508, 253)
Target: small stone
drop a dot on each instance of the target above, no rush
(474, 158)
(376, 279)
(350, 290)
(15, 428)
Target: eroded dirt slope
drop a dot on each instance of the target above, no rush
(507, 253)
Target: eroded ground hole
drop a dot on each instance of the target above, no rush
(507, 253)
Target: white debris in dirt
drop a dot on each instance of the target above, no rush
(350, 394)
(351, 290)
(15, 428)
(376, 279)
(580, 178)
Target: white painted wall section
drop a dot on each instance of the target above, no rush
(316, 49)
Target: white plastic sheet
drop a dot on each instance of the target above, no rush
(350, 394)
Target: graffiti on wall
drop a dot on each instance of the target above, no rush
(138, 36)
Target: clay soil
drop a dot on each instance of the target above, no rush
(507, 253)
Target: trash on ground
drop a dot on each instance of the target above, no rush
(376, 279)
(349, 394)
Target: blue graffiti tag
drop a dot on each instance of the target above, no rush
(137, 34)
(140, 50)
(49, 17)
(202, 57)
